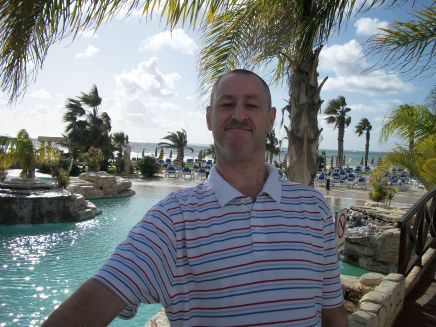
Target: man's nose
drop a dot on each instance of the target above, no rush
(239, 112)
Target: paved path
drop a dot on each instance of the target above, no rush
(419, 308)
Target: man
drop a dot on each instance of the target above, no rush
(242, 248)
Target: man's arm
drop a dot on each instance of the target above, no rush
(92, 304)
(336, 317)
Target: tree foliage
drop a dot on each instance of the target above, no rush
(86, 126)
(176, 140)
(337, 111)
(417, 126)
(410, 46)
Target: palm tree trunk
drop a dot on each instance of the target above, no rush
(341, 130)
(304, 104)
(367, 148)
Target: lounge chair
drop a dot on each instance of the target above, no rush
(171, 172)
(361, 182)
(187, 172)
(201, 174)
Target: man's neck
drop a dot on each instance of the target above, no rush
(248, 178)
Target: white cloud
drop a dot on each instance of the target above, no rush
(40, 94)
(89, 52)
(368, 26)
(352, 73)
(91, 34)
(146, 80)
(177, 40)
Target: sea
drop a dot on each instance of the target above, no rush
(352, 158)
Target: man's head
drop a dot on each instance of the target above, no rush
(239, 116)
(244, 72)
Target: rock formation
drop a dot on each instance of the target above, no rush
(96, 185)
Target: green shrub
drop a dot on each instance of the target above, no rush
(147, 166)
(62, 178)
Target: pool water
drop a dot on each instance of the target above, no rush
(40, 265)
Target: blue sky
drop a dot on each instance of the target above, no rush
(147, 78)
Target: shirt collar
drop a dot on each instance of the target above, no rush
(226, 192)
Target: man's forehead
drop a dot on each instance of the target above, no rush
(232, 96)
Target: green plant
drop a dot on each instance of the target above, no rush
(378, 184)
(93, 159)
(62, 178)
(147, 166)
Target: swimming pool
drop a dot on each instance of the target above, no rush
(40, 265)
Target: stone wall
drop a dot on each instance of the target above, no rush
(96, 185)
(375, 247)
(374, 300)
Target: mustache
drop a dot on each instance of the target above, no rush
(236, 124)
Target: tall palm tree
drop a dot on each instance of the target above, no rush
(178, 141)
(86, 126)
(272, 144)
(337, 111)
(119, 142)
(364, 126)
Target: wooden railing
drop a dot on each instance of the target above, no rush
(418, 232)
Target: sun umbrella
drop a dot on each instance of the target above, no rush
(171, 154)
(143, 152)
(324, 158)
(155, 152)
(161, 155)
(372, 161)
(331, 163)
(361, 161)
(343, 161)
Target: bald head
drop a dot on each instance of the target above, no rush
(242, 72)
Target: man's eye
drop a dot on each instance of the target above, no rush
(250, 105)
(227, 104)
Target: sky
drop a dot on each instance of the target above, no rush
(148, 80)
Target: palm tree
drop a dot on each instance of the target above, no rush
(23, 152)
(364, 126)
(337, 109)
(211, 151)
(408, 45)
(5, 156)
(178, 141)
(415, 125)
(272, 145)
(86, 126)
(410, 123)
(119, 142)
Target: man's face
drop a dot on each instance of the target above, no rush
(239, 118)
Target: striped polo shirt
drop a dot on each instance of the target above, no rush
(213, 257)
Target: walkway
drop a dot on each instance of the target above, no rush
(419, 308)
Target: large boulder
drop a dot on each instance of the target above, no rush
(97, 185)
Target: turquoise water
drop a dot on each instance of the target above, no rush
(40, 265)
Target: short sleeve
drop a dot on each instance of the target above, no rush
(139, 270)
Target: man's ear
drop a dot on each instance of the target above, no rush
(208, 113)
(271, 118)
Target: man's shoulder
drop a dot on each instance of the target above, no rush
(292, 189)
(199, 193)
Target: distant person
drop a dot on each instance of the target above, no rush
(243, 248)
